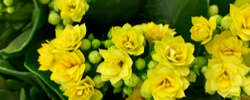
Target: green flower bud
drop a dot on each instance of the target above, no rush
(151, 53)
(140, 64)
(94, 57)
(145, 95)
(200, 62)
(8, 2)
(60, 26)
(54, 18)
(61, 88)
(108, 43)
(67, 21)
(98, 83)
(86, 45)
(10, 10)
(213, 10)
(118, 84)
(91, 37)
(87, 67)
(204, 69)
(218, 19)
(109, 35)
(132, 81)
(96, 43)
(152, 64)
(44, 2)
(235, 98)
(144, 76)
(51, 4)
(117, 90)
(192, 76)
(226, 22)
(127, 90)
(217, 30)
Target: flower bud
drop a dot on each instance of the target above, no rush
(152, 64)
(86, 45)
(127, 90)
(226, 22)
(235, 98)
(60, 26)
(87, 67)
(118, 84)
(204, 69)
(140, 64)
(10, 10)
(109, 35)
(144, 76)
(8, 2)
(117, 90)
(98, 83)
(54, 18)
(217, 30)
(96, 43)
(91, 37)
(192, 76)
(133, 81)
(94, 57)
(145, 95)
(151, 53)
(67, 21)
(44, 2)
(51, 4)
(218, 19)
(213, 10)
(108, 43)
(200, 62)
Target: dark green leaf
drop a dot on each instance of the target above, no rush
(8, 95)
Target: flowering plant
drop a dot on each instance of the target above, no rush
(132, 50)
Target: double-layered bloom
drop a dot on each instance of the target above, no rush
(83, 90)
(174, 53)
(164, 83)
(226, 45)
(72, 9)
(225, 76)
(69, 38)
(155, 32)
(240, 21)
(202, 29)
(46, 58)
(117, 65)
(129, 39)
(69, 67)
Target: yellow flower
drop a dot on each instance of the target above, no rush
(226, 45)
(129, 39)
(225, 76)
(69, 67)
(202, 29)
(155, 32)
(46, 57)
(246, 87)
(72, 9)
(83, 90)
(240, 21)
(136, 95)
(69, 38)
(164, 83)
(117, 65)
(174, 53)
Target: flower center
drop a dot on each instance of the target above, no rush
(173, 54)
(248, 22)
(128, 42)
(224, 79)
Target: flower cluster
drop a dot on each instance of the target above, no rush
(225, 40)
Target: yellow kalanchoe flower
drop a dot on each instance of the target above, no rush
(46, 57)
(155, 32)
(129, 39)
(83, 90)
(226, 45)
(69, 38)
(164, 83)
(174, 53)
(240, 21)
(246, 86)
(225, 76)
(202, 29)
(69, 67)
(72, 9)
(117, 65)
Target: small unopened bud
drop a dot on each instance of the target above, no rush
(67, 21)
(213, 10)
(144, 76)
(152, 52)
(10, 10)
(118, 84)
(236, 98)
(200, 62)
(91, 37)
(152, 64)
(96, 43)
(132, 81)
(54, 18)
(226, 22)
(60, 26)
(117, 90)
(86, 45)
(204, 69)
(94, 57)
(218, 19)
(127, 90)
(140, 64)
(8, 2)
(145, 95)
(87, 67)
(44, 2)
(109, 35)
(192, 76)
(98, 83)
(108, 43)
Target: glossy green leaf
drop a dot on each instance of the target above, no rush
(32, 65)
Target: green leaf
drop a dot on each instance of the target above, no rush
(22, 95)
(8, 95)
(32, 65)
(20, 42)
